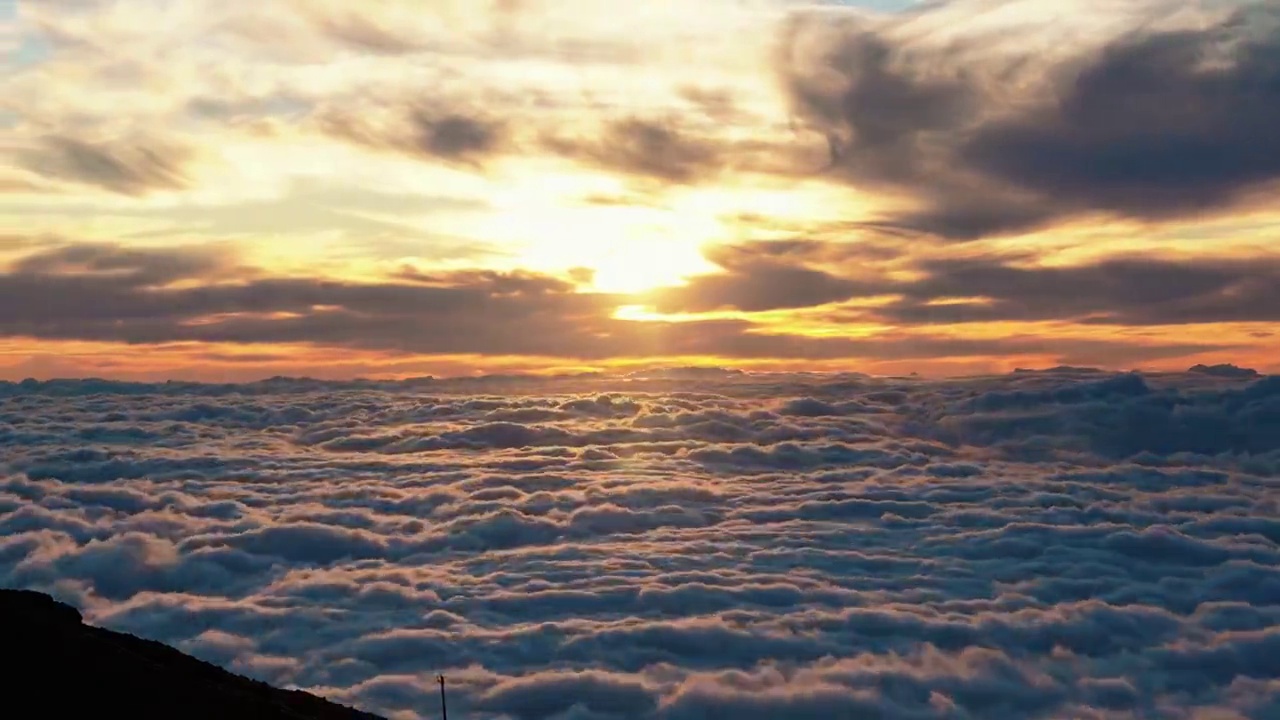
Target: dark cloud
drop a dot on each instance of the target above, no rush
(1112, 140)
(147, 267)
(423, 131)
(114, 294)
(940, 125)
(1123, 290)
(671, 149)
(645, 148)
(661, 149)
(755, 278)
(881, 110)
(675, 544)
(663, 145)
(121, 166)
(456, 136)
(478, 310)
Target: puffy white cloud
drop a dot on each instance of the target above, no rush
(678, 545)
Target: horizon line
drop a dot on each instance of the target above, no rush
(691, 372)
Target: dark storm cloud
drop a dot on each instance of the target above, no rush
(114, 294)
(1159, 124)
(121, 166)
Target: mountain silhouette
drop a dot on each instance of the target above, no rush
(57, 666)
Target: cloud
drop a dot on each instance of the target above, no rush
(1111, 143)
(1122, 291)
(121, 166)
(143, 267)
(755, 279)
(672, 150)
(678, 543)
(114, 294)
(646, 148)
(448, 136)
(674, 545)
(962, 119)
(1006, 140)
(1115, 290)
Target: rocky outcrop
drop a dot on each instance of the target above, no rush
(56, 666)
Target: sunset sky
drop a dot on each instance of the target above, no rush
(233, 189)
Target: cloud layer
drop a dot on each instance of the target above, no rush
(680, 544)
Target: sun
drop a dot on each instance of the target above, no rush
(631, 244)
(629, 250)
(637, 266)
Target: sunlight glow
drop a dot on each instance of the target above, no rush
(636, 266)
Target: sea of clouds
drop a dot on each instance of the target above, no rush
(676, 545)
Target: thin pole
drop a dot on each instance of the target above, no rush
(444, 709)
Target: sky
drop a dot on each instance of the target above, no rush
(231, 190)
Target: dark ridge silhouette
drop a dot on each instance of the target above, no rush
(56, 666)
(1225, 371)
